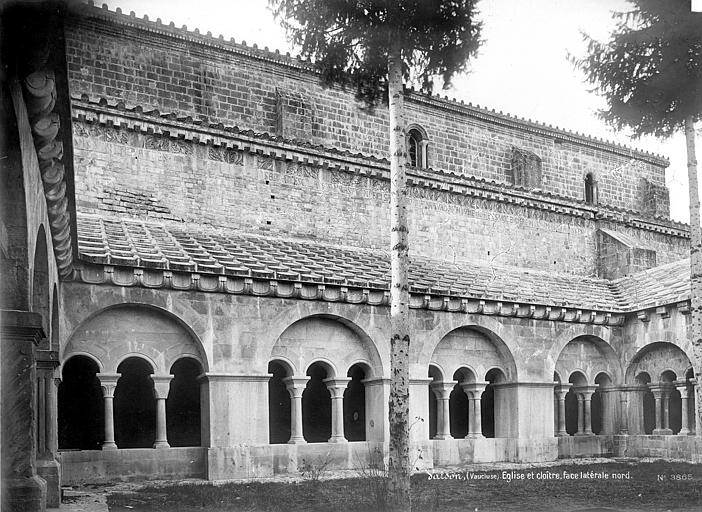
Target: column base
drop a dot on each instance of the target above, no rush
(662, 432)
(25, 494)
(109, 445)
(338, 440)
(581, 434)
(161, 444)
(442, 437)
(684, 432)
(50, 471)
(562, 434)
(474, 436)
(297, 440)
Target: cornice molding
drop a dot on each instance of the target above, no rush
(130, 277)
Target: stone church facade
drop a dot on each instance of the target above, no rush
(195, 240)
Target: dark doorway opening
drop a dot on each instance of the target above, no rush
(81, 408)
(135, 405)
(183, 404)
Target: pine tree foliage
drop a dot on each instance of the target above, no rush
(375, 46)
(349, 40)
(650, 70)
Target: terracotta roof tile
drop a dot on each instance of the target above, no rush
(109, 240)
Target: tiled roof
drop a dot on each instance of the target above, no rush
(666, 284)
(176, 247)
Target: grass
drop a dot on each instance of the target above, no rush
(651, 486)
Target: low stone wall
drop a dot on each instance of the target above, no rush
(261, 461)
(95, 466)
(456, 452)
(573, 447)
(251, 461)
(665, 447)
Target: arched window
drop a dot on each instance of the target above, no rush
(355, 405)
(81, 411)
(601, 406)
(135, 405)
(417, 148)
(316, 406)
(590, 189)
(487, 402)
(183, 404)
(279, 415)
(574, 405)
(458, 407)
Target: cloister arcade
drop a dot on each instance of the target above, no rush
(134, 376)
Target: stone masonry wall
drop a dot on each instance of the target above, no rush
(142, 63)
(120, 172)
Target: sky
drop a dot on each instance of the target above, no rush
(521, 69)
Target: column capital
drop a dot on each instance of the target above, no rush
(682, 387)
(561, 389)
(108, 383)
(442, 388)
(162, 384)
(584, 392)
(473, 389)
(337, 386)
(296, 385)
(660, 389)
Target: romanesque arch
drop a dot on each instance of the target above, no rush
(119, 331)
(591, 367)
(323, 363)
(80, 405)
(148, 363)
(659, 372)
(477, 361)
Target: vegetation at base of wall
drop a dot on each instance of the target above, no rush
(651, 486)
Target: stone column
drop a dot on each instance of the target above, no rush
(692, 407)
(666, 408)
(20, 333)
(561, 390)
(584, 394)
(623, 416)
(336, 389)
(162, 384)
(681, 386)
(474, 391)
(47, 433)
(659, 391)
(295, 386)
(108, 383)
(442, 390)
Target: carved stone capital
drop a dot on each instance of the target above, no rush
(442, 388)
(108, 383)
(162, 384)
(295, 385)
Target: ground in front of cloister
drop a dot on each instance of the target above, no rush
(620, 485)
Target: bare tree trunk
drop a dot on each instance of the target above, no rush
(399, 461)
(695, 269)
